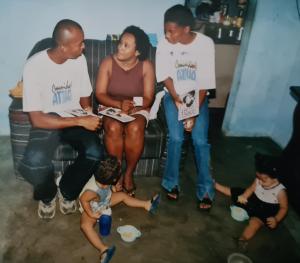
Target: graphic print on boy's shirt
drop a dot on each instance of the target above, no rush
(185, 70)
(185, 66)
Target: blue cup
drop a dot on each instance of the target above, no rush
(104, 225)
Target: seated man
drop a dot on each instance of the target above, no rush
(56, 80)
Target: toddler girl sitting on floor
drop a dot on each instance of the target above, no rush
(265, 200)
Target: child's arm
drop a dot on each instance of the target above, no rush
(85, 199)
(243, 198)
(272, 222)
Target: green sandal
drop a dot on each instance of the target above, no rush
(107, 254)
(155, 200)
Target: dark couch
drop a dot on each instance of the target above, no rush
(95, 51)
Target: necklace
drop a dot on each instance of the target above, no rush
(127, 64)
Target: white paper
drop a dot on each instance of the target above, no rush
(116, 114)
(155, 107)
(75, 113)
(138, 101)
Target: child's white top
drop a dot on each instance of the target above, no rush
(104, 194)
(268, 195)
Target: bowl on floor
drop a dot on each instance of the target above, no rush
(128, 233)
(238, 258)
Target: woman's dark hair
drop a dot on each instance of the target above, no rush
(141, 41)
(61, 26)
(267, 164)
(109, 171)
(180, 15)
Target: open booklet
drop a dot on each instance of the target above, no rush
(189, 106)
(75, 113)
(121, 116)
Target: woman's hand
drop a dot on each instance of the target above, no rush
(135, 109)
(242, 199)
(127, 105)
(272, 222)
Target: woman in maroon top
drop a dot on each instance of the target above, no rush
(124, 75)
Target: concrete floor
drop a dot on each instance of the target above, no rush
(178, 233)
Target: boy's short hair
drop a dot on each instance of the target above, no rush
(109, 171)
(180, 15)
(267, 164)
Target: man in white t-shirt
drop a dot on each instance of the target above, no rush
(185, 61)
(56, 80)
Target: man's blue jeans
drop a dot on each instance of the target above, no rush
(37, 168)
(201, 147)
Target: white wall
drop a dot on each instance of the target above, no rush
(24, 22)
(268, 64)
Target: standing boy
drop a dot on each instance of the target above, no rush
(185, 61)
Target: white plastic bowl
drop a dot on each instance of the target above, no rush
(238, 258)
(238, 213)
(128, 233)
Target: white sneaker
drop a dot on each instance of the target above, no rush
(58, 178)
(65, 206)
(47, 211)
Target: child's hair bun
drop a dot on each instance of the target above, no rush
(267, 164)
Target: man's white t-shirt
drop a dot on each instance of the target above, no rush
(190, 66)
(51, 87)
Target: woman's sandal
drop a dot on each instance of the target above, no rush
(130, 192)
(119, 185)
(106, 255)
(173, 195)
(205, 204)
(155, 200)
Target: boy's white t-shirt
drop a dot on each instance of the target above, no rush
(51, 87)
(191, 66)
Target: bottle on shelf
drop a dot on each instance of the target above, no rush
(240, 19)
(240, 34)
(223, 12)
(227, 21)
(219, 33)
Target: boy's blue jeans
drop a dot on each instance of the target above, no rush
(204, 182)
(37, 168)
